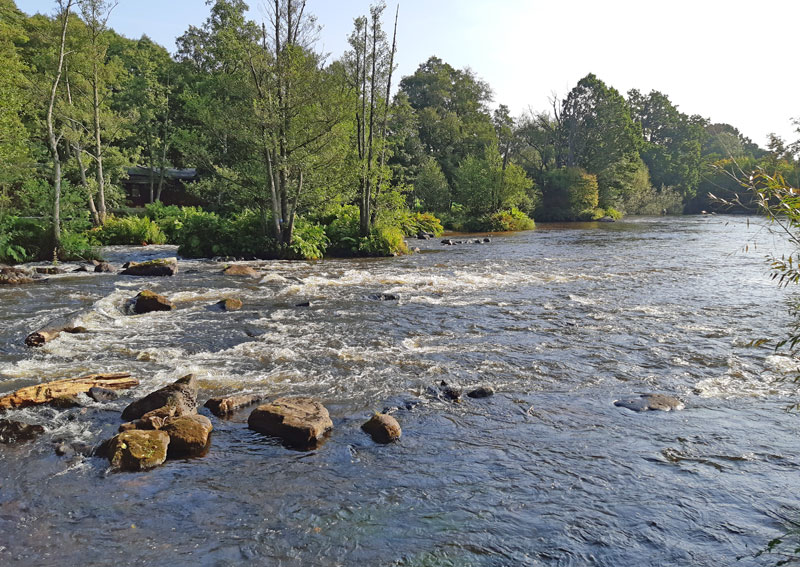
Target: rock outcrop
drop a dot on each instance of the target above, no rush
(188, 435)
(481, 392)
(158, 267)
(383, 428)
(299, 422)
(241, 270)
(137, 450)
(148, 301)
(226, 406)
(229, 304)
(648, 402)
(14, 276)
(179, 398)
(18, 432)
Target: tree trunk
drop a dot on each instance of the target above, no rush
(70, 387)
(98, 145)
(51, 134)
(385, 117)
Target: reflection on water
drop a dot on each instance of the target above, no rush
(561, 321)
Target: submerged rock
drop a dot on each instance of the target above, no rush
(226, 406)
(482, 392)
(64, 402)
(300, 422)
(18, 432)
(384, 297)
(450, 392)
(188, 435)
(137, 450)
(148, 301)
(241, 270)
(158, 267)
(448, 242)
(229, 304)
(647, 402)
(606, 219)
(303, 304)
(382, 428)
(103, 267)
(179, 398)
(99, 394)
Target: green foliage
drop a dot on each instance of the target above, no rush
(309, 241)
(502, 221)
(413, 223)
(76, 246)
(431, 187)
(128, 230)
(383, 240)
(566, 193)
(487, 185)
(170, 218)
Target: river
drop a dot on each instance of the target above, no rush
(561, 321)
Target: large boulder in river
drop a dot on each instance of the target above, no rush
(16, 431)
(103, 268)
(383, 428)
(137, 450)
(299, 422)
(148, 301)
(179, 398)
(241, 270)
(14, 276)
(158, 267)
(647, 402)
(188, 435)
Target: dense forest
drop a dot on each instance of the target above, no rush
(249, 141)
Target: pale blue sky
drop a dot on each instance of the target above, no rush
(728, 60)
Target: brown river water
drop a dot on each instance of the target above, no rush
(561, 321)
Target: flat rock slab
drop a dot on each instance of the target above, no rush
(137, 450)
(226, 406)
(382, 428)
(241, 270)
(45, 393)
(180, 398)
(650, 402)
(299, 422)
(148, 301)
(18, 432)
(159, 267)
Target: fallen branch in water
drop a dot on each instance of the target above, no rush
(69, 387)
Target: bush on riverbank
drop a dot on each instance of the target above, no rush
(128, 230)
(29, 240)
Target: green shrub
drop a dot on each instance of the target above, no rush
(383, 240)
(502, 221)
(11, 251)
(204, 235)
(342, 230)
(25, 240)
(76, 246)
(128, 230)
(598, 213)
(309, 241)
(414, 223)
(170, 218)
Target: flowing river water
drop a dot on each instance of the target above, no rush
(561, 321)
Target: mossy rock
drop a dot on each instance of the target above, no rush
(138, 450)
(157, 267)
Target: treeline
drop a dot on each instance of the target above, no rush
(301, 156)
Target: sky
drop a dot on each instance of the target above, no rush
(729, 61)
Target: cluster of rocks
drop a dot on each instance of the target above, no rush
(451, 242)
(422, 235)
(18, 276)
(651, 402)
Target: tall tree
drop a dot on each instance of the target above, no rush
(95, 14)
(52, 137)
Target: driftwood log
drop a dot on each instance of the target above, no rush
(66, 324)
(69, 387)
